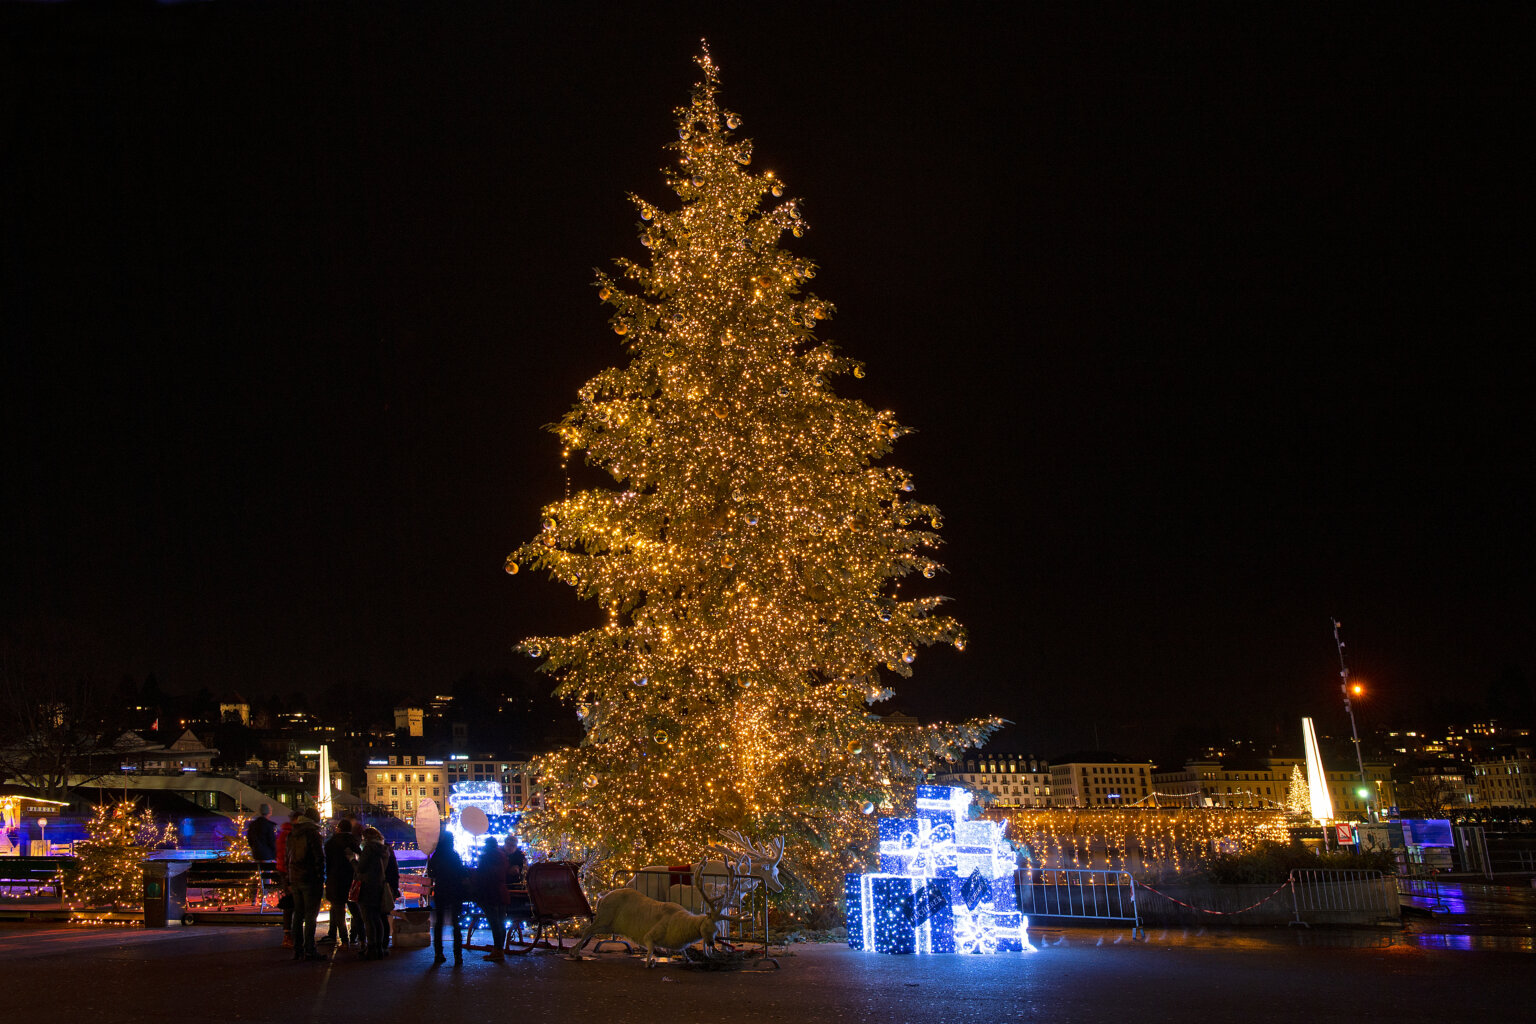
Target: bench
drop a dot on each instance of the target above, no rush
(34, 873)
(251, 877)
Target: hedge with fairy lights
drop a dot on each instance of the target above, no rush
(748, 560)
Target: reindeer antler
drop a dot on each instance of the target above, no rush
(737, 866)
(761, 853)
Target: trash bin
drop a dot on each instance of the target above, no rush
(165, 892)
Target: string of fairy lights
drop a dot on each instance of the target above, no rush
(1176, 840)
(110, 858)
(746, 563)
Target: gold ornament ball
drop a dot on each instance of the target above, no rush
(858, 371)
(621, 329)
(929, 573)
(855, 747)
(660, 737)
(868, 808)
(511, 566)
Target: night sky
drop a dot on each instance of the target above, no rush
(1214, 321)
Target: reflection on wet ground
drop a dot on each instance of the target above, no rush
(1437, 914)
(1468, 899)
(1514, 936)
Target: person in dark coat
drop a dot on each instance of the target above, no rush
(370, 897)
(517, 861)
(450, 884)
(306, 880)
(261, 834)
(490, 891)
(341, 852)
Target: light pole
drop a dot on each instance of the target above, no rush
(1344, 688)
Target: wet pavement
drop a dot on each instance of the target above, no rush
(1077, 974)
(1475, 902)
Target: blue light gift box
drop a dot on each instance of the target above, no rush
(945, 884)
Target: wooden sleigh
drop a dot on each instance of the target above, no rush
(551, 893)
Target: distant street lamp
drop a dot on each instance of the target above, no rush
(1346, 688)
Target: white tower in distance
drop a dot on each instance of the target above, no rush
(1317, 780)
(323, 802)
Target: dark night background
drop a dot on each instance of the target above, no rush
(1214, 320)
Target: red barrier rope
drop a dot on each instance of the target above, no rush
(1283, 886)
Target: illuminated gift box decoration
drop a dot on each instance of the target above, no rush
(945, 884)
(485, 797)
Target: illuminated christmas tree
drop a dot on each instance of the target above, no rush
(237, 848)
(748, 561)
(1298, 799)
(112, 857)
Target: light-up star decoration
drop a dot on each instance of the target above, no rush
(945, 884)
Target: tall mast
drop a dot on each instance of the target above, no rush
(1365, 783)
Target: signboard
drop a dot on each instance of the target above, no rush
(1345, 834)
(1427, 832)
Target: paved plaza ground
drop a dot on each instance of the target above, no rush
(229, 973)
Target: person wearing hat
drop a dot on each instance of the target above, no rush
(371, 865)
(341, 851)
(306, 880)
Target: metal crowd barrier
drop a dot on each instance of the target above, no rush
(1079, 893)
(1330, 891)
(1427, 889)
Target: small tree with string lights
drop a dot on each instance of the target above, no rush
(112, 857)
(1298, 798)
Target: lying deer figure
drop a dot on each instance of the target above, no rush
(656, 924)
